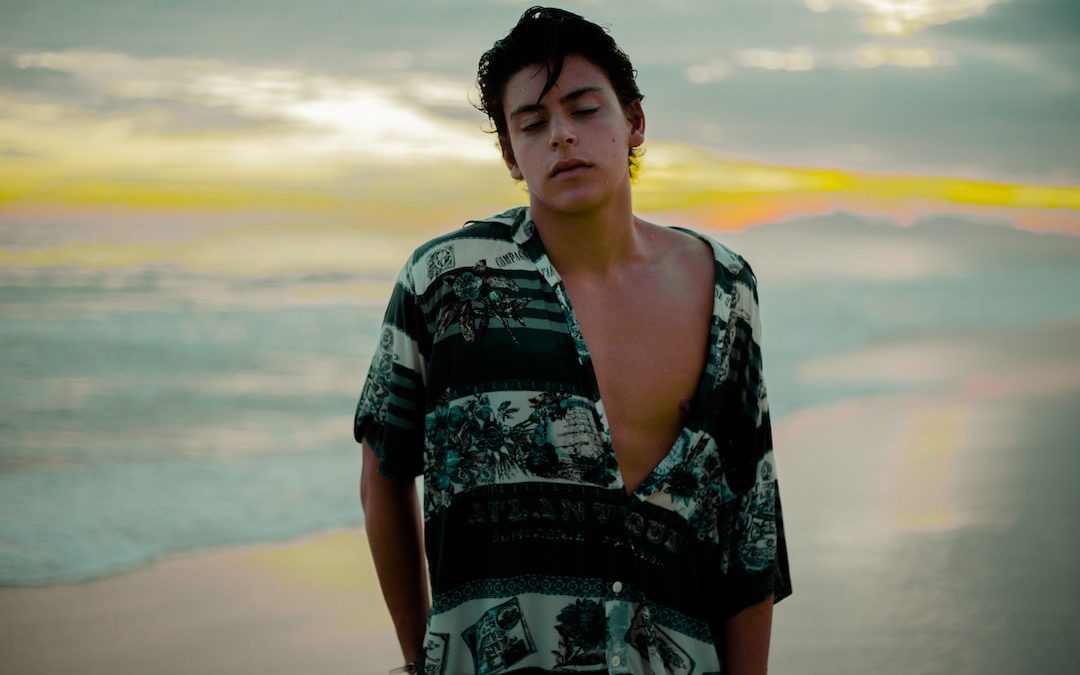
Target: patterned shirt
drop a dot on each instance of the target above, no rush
(539, 560)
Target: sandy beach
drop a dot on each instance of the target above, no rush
(934, 531)
(311, 606)
(929, 533)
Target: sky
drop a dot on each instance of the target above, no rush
(359, 112)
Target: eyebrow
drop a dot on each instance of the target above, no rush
(534, 107)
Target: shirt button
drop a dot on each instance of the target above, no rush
(617, 587)
(616, 661)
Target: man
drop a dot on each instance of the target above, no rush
(582, 392)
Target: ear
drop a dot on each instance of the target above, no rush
(511, 163)
(635, 117)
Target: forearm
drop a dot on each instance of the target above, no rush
(746, 640)
(395, 534)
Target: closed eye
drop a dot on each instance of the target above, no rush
(585, 112)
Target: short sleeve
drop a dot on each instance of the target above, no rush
(757, 550)
(390, 413)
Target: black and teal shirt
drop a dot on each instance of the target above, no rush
(540, 561)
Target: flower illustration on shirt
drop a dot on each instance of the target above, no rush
(581, 634)
(375, 399)
(480, 296)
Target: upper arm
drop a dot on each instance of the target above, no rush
(376, 488)
(746, 639)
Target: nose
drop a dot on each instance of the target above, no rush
(562, 132)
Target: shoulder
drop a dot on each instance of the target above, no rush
(488, 239)
(731, 267)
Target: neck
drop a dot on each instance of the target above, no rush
(595, 243)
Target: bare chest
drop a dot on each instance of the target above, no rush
(648, 344)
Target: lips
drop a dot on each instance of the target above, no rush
(565, 165)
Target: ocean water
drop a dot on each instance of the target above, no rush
(140, 419)
(152, 410)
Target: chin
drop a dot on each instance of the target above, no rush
(570, 206)
(576, 200)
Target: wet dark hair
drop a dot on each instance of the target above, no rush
(545, 36)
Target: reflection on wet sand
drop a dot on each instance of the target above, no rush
(935, 531)
(922, 487)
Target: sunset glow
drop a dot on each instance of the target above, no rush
(97, 134)
(672, 177)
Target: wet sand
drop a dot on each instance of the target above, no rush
(937, 531)
(930, 532)
(311, 606)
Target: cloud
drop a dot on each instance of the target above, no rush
(305, 115)
(1039, 39)
(903, 17)
(986, 89)
(1023, 22)
(13, 152)
(712, 71)
(687, 185)
(792, 60)
(340, 37)
(804, 59)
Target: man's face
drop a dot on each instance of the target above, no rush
(571, 147)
